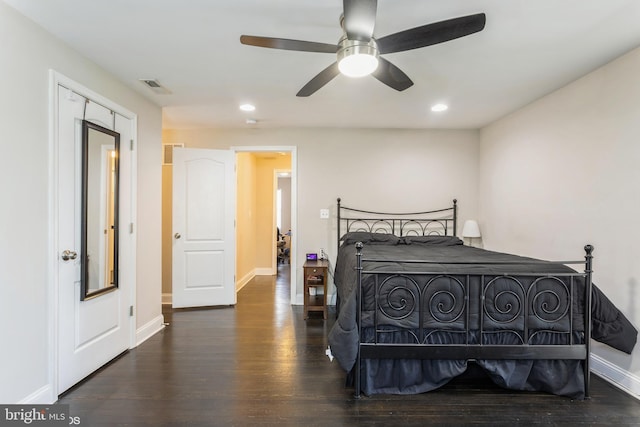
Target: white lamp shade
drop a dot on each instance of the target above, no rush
(470, 229)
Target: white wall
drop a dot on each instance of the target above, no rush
(27, 54)
(564, 172)
(393, 170)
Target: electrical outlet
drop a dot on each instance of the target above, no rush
(324, 213)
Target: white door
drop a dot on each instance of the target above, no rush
(203, 227)
(94, 331)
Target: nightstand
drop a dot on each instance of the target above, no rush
(315, 279)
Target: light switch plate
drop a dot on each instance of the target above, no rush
(324, 213)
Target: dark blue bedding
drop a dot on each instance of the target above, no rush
(562, 377)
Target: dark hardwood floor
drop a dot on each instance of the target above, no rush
(260, 363)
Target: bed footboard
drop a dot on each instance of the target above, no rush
(422, 312)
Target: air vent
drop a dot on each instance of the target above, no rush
(155, 86)
(152, 83)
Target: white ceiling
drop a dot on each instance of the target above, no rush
(527, 49)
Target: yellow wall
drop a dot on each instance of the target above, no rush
(265, 204)
(245, 217)
(167, 227)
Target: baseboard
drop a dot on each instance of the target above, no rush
(264, 272)
(148, 330)
(245, 279)
(42, 396)
(624, 380)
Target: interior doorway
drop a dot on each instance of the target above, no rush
(256, 234)
(257, 212)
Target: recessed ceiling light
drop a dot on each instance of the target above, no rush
(439, 107)
(247, 107)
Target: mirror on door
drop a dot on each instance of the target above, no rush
(99, 225)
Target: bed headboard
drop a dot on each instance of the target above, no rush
(439, 222)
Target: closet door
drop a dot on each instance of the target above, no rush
(93, 328)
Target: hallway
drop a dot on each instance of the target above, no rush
(261, 364)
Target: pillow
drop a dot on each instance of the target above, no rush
(433, 240)
(366, 237)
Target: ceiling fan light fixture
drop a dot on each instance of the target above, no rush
(357, 58)
(358, 65)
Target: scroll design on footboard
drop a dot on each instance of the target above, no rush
(507, 303)
(431, 303)
(445, 298)
(398, 297)
(527, 307)
(405, 308)
(425, 303)
(551, 304)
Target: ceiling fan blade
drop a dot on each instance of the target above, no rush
(324, 77)
(431, 34)
(391, 75)
(359, 19)
(288, 44)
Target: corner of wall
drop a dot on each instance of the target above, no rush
(149, 329)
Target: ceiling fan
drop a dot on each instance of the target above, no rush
(358, 52)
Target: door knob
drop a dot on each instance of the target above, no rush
(177, 235)
(67, 255)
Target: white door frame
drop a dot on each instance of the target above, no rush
(127, 271)
(292, 150)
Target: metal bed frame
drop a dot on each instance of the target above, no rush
(439, 222)
(522, 309)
